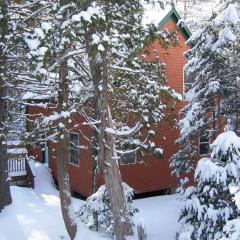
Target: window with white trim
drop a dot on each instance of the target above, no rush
(188, 80)
(74, 149)
(204, 144)
(131, 157)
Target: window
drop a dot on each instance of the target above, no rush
(187, 87)
(188, 79)
(204, 145)
(74, 149)
(131, 157)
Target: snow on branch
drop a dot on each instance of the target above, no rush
(226, 142)
(128, 132)
(127, 69)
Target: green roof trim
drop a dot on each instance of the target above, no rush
(173, 14)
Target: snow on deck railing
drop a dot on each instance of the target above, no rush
(16, 166)
(17, 174)
(16, 159)
(31, 165)
(30, 172)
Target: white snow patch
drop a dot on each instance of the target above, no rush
(35, 214)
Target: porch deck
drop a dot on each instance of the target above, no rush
(19, 169)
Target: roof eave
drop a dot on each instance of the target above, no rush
(173, 14)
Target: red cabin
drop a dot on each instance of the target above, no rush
(147, 176)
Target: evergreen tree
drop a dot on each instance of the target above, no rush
(51, 46)
(210, 204)
(14, 69)
(113, 52)
(213, 63)
(5, 195)
(11, 70)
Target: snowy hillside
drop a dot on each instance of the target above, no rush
(36, 215)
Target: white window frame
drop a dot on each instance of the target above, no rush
(77, 148)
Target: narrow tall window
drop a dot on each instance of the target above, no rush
(188, 79)
(74, 149)
(204, 145)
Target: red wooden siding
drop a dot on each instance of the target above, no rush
(80, 176)
(155, 174)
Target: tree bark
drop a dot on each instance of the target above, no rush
(5, 195)
(62, 155)
(113, 180)
(109, 164)
(107, 161)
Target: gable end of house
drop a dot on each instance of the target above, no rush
(175, 17)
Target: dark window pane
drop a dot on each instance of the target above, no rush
(188, 81)
(132, 157)
(204, 148)
(204, 137)
(129, 158)
(139, 156)
(187, 87)
(74, 139)
(189, 78)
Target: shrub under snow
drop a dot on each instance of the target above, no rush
(98, 204)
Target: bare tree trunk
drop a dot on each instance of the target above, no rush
(109, 165)
(95, 172)
(219, 115)
(62, 155)
(107, 161)
(113, 182)
(5, 195)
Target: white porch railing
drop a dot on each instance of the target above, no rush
(16, 160)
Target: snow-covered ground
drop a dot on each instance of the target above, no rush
(160, 215)
(35, 214)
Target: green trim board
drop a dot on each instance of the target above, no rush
(173, 14)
